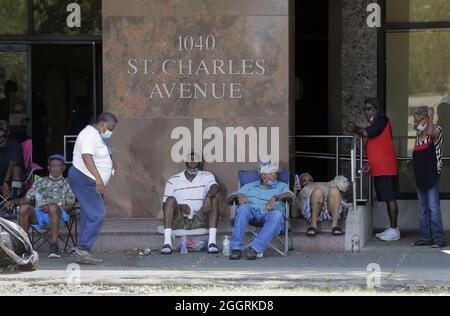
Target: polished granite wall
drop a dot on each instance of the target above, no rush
(359, 59)
(358, 70)
(252, 42)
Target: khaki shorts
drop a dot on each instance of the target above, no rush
(200, 220)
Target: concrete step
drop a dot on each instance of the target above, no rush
(132, 233)
(123, 234)
(126, 241)
(145, 225)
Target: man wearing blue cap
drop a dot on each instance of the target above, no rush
(52, 197)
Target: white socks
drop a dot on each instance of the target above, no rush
(168, 236)
(212, 236)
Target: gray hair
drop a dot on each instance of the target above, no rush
(422, 111)
(107, 118)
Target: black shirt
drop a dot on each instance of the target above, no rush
(12, 151)
(4, 109)
(377, 127)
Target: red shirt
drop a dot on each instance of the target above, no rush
(380, 149)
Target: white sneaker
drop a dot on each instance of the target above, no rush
(391, 234)
(383, 232)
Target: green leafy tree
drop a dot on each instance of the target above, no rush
(50, 17)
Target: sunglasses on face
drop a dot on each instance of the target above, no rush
(368, 108)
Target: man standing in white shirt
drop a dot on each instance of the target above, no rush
(190, 202)
(91, 171)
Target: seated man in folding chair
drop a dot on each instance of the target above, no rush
(52, 199)
(11, 171)
(190, 202)
(321, 201)
(262, 201)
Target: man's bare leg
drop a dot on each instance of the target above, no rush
(212, 212)
(317, 198)
(316, 206)
(169, 209)
(334, 205)
(27, 217)
(54, 213)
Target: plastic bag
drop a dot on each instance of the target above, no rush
(196, 244)
(16, 251)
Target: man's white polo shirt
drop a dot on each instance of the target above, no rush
(187, 192)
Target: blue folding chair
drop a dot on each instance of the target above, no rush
(285, 238)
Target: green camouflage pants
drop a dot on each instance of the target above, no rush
(200, 220)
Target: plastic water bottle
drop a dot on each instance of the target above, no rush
(183, 245)
(226, 246)
(355, 243)
(6, 238)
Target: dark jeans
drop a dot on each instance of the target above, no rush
(430, 213)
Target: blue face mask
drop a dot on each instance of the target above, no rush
(272, 182)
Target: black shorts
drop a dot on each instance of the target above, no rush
(387, 187)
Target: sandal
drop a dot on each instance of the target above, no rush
(311, 232)
(422, 242)
(337, 231)
(439, 244)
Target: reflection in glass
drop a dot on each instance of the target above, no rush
(13, 17)
(417, 10)
(417, 73)
(13, 89)
(50, 17)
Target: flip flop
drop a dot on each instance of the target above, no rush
(311, 232)
(337, 231)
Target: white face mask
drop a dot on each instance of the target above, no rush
(420, 128)
(107, 134)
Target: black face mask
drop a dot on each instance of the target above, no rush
(192, 171)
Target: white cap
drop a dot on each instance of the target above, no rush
(197, 156)
(268, 167)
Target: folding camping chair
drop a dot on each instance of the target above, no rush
(29, 166)
(40, 237)
(285, 238)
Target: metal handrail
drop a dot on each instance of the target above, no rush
(411, 158)
(337, 156)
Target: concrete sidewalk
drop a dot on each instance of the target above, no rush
(402, 269)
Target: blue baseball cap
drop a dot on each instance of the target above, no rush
(57, 156)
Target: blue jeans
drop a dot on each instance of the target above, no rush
(273, 226)
(430, 213)
(92, 208)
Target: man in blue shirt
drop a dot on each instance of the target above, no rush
(262, 201)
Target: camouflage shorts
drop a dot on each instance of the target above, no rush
(200, 220)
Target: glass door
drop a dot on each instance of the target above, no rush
(15, 105)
